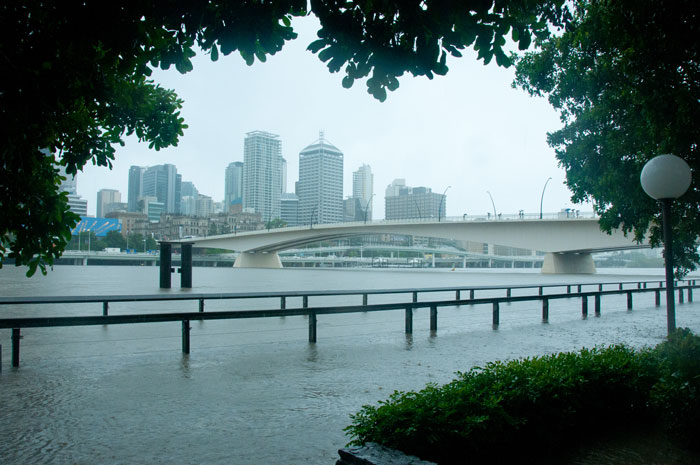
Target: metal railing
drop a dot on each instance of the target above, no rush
(565, 291)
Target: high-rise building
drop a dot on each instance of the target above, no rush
(320, 187)
(262, 174)
(363, 189)
(403, 202)
(284, 176)
(135, 187)
(233, 185)
(106, 198)
(163, 183)
(76, 203)
(289, 208)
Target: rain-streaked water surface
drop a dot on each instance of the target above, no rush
(255, 391)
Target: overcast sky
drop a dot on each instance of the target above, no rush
(469, 130)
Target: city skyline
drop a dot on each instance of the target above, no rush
(469, 129)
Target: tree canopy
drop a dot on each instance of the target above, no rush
(76, 77)
(625, 77)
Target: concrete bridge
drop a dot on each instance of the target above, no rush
(567, 242)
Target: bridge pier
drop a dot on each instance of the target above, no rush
(568, 263)
(258, 260)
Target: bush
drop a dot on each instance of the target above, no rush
(507, 411)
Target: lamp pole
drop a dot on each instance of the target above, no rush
(442, 200)
(664, 178)
(542, 198)
(367, 206)
(495, 215)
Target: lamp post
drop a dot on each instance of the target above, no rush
(542, 198)
(664, 178)
(495, 215)
(367, 206)
(442, 200)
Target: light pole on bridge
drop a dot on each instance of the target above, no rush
(542, 198)
(442, 200)
(495, 215)
(367, 206)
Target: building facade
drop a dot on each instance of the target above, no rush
(363, 189)
(320, 187)
(233, 185)
(106, 198)
(135, 187)
(163, 183)
(403, 202)
(76, 203)
(262, 174)
(289, 207)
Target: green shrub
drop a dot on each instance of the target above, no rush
(507, 411)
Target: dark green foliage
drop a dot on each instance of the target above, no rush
(515, 411)
(625, 77)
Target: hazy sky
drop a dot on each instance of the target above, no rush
(469, 130)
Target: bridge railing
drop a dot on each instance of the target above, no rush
(463, 295)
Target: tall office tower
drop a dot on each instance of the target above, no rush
(76, 203)
(363, 189)
(135, 187)
(262, 174)
(320, 183)
(403, 202)
(163, 183)
(105, 199)
(233, 185)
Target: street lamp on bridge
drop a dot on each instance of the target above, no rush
(442, 200)
(542, 198)
(495, 215)
(664, 178)
(367, 206)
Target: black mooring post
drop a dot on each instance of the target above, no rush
(545, 310)
(471, 294)
(690, 293)
(166, 261)
(433, 317)
(657, 298)
(186, 336)
(584, 307)
(457, 295)
(15, 346)
(415, 296)
(186, 266)
(597, 305)
(495, 315)
(629, 300)
(680, 295)
(283, 302)
(105, 308)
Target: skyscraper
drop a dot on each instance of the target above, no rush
(135, 187)
(76, 203)
(320, 187)
(106, 198)
(363, 189)
(233, 185)
(163, 183)
(262, 173)
(403, 202)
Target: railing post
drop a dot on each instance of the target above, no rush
(186, 336)
(16, 336)
(629, 300)
(433, 318)
(584, 306)
(495, 315)
(657, 298)
(201, 305)
(283, 302)
(105, 308)
(312, 327)
(597, 305)
(545, 310)
(409, 320)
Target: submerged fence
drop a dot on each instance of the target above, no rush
(462, 296)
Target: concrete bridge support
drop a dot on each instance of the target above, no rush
(258, 260)
(568, 263)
